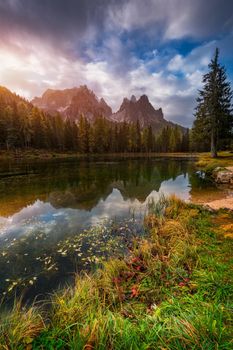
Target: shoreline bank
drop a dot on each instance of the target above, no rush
(209, 166)
(50, 155)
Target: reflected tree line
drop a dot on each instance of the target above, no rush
(83, 184)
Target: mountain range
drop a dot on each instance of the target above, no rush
(71, 103)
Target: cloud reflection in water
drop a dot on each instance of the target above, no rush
(42, 216)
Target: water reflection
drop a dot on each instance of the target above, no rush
(58, 217)
(82, 184)
(46, 217)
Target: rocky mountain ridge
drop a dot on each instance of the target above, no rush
(71, 103)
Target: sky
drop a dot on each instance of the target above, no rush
(116, 47)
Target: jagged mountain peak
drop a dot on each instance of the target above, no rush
(144, 98)
(77, 101)
(71, 103)
(141, 110)
(133, 99)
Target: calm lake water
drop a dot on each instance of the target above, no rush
(59, 217)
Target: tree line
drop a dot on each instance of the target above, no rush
(23, 126)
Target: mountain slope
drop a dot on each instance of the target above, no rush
(8, 98)
(72, 103)
(143, 111)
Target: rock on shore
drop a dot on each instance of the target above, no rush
(223, 175)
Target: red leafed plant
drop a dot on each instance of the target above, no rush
(134, 291)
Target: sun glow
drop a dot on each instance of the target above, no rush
(8, 61)
(23, 71)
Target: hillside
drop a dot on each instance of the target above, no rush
(8, 98)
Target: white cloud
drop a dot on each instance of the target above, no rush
(198, 58)
(30, 75)
(176, 63)
(172, 19)
(170, 83)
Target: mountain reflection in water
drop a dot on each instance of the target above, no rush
(49, 211)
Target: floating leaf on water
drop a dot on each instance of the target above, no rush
(12, 286)
(51, 266)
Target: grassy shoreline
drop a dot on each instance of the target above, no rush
(172, 291)
(203, 160)
(208, 164)
(49, 155)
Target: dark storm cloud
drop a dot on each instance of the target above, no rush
(213, 17)
(62, 22)
(68, 21)
(176, 18)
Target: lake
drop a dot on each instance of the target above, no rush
(60, 217)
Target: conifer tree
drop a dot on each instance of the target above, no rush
(138, 137)
(214, 119)
(84, 134)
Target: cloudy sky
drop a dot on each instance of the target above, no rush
(116, 47)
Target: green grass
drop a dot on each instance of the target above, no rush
(208, 164)
(172, 291)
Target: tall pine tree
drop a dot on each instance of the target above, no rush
(214, 120)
